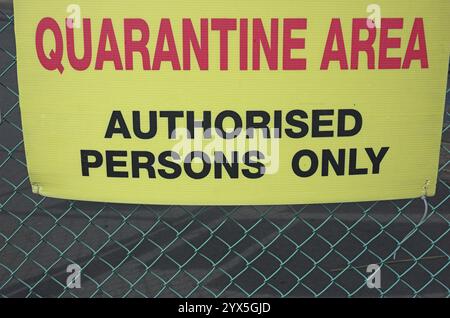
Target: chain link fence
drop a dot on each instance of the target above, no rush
(178, 251)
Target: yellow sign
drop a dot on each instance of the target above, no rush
(232, 102)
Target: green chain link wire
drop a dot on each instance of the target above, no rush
(176, 251)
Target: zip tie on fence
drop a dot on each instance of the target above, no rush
(36, 188)
(422, 220)
(425, 212)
